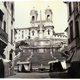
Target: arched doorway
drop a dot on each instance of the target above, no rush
(10, 55)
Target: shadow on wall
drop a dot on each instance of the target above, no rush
(74, 70)
(58, 74)
(1, 69)
(57, 71)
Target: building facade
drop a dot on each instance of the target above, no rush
(7, 46)
(41, 34)
(73, 30)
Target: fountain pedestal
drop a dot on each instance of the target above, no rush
(24, 66)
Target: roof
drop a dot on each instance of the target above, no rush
(39, 47)
(43, 21)
(65, 2)
(32, 27)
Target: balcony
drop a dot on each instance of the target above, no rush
(3, 36)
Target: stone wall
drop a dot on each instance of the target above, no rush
(8, 69)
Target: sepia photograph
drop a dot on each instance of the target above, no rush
(39, 39)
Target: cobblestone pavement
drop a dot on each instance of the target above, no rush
(40, 75)
(30, 75)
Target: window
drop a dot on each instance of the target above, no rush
(33, 33)
(71, 30)
(10, 56)
(77, 29)
(4, 26)
(0, 21)
(11, 36)
(48, 31)
(76, 7)
(12, 13)
(33, 18)
(48, 16)
(68, 41)
(1, 17)
(22, 34)
(5, 4)
(29, 31)
(25, 31)
(28, 37)
(70, 9)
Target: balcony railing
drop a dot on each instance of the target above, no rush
(3, 35)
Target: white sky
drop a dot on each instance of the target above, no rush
(22, 13)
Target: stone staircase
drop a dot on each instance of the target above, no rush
(40, 58)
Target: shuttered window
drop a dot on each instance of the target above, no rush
(77, 29)
(11, 36)
(4, 26)
(71, 30)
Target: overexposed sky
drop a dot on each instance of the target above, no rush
(23, 8)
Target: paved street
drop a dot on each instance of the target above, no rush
(30, 75)
(40, 75)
